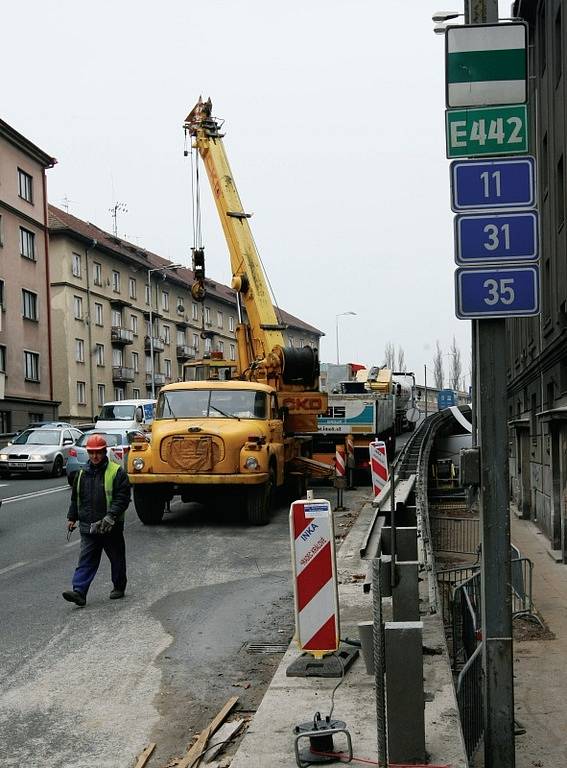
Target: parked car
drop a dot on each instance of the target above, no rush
(41, 450)
(118, 440)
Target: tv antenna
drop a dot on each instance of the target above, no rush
(114, 211)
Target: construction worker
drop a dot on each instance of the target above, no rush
(100, 497)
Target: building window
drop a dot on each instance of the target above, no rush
(31, 366)
(5, 421)
(79, 351)
(1, 231)
(231, 324)
(99, 354)
(81, 393)
(166, 334)
(116, 318)
(221, 347)
(147, 293)
(207, 316)
(132, 287)
(25, 188)
(167, 365)
(2, 296)
(165, 301)
(196, 342)
(115, 281)
(291, 341)
(219, 319)
(134, 324)
(302, 343)
(27, 244)
(232, 352)
(2, 358)
(136, 362)
(181, 338)
(100, 393)
(78, 307)
(179, 306)
(208, 345)
(194, 311)
(97, 273)
(117, 357)
(136, 394)
(119, 393)
(76, 266)
(98, 313)
(29, 305)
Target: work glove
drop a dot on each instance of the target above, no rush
(106, 524)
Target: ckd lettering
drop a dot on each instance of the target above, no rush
(308, 531)
(303, 403)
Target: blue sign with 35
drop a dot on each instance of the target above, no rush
(496, 238)
(494, 184)
(489, 293)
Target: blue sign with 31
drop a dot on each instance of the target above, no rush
(496, 238)
(494, 184)
(490, 293)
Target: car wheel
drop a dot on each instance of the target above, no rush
(57, 470)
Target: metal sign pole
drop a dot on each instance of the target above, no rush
(496, 567)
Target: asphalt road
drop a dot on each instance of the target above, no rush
(89, 688)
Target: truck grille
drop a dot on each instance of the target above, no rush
(187, 453)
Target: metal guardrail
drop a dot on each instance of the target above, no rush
(469, 697)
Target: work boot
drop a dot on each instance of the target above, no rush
(74, 597)
(116, 594)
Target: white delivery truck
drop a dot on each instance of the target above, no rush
(126, 414)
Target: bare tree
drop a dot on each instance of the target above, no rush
(438, 373)
(389, 355)
(401, 360)
(456, 367)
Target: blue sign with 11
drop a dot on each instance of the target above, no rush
(494, 184)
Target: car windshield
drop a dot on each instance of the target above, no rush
(117, 413)
(111, 439)
(38, 437)
(199, 403)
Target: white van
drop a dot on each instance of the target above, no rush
(127, 414)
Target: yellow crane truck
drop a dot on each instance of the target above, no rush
(239, 438)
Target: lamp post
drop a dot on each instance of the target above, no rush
(341, 314)
(163, 270)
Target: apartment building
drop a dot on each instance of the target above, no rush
(537, 359)
(114, 304)
(26, 386)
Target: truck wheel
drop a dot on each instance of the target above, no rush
(259, 500)
(149, 504)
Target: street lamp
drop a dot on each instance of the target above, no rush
(341, 314)
(163, 270)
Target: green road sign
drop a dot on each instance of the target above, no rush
(487, 131)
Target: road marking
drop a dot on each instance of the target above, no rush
(34, 494)
(13, 566)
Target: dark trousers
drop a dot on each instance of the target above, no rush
(92, 547)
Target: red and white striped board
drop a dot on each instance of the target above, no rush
(349, 445)
(315, 576)
(340, 461)
(378, 465)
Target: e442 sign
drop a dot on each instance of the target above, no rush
(486, 131)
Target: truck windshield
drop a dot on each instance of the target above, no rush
(217, 404)
(117, 413)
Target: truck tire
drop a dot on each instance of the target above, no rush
(149, 503)
(259, 501)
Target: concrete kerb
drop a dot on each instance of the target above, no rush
(290, 701)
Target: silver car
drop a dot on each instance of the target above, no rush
(42, 450)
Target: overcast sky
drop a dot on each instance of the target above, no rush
(334, 119)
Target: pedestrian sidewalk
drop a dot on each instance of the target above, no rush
(540, 666)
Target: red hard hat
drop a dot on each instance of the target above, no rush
(95, 443)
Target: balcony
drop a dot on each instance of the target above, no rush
(159, 379)
(157, 341)
(120, 374)
(119, 335)
(185, 352)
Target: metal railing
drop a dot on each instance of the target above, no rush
(469, 697)
(455, 534)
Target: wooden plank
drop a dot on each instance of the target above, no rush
(144, 756)
(201, 742)
(224, 733)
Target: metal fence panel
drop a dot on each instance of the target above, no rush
(469, 697)
(455, 534)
